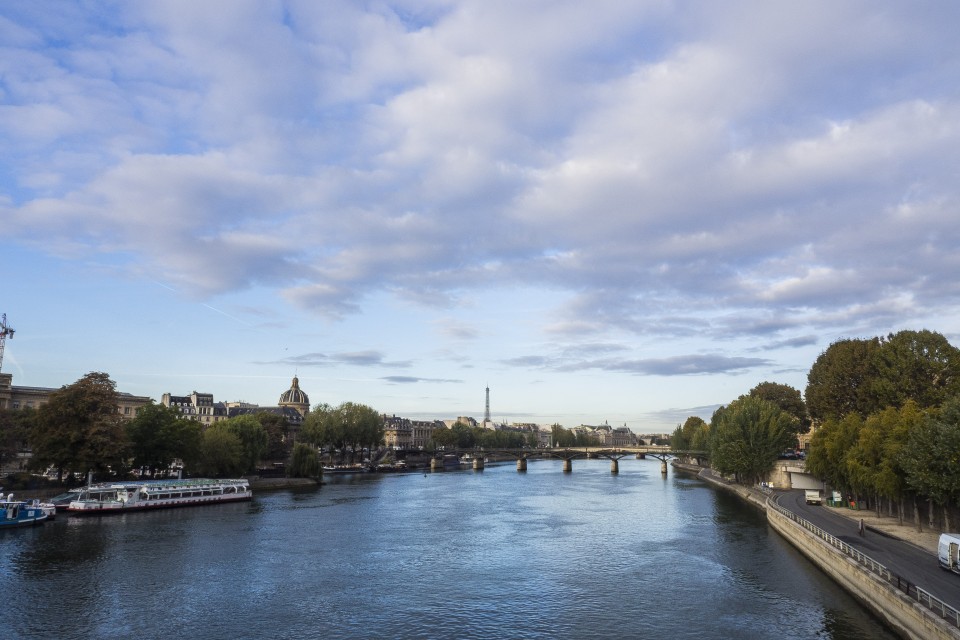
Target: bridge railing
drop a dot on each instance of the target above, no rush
(922, 596)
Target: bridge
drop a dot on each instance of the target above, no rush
(568, 455)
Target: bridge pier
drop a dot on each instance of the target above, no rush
(478, 463)
(663, 467)
(567, 465)
(614, 466)
(522, 464)
(434, 464)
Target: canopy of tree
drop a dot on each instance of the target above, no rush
(79, 429)
(866, 376)
(349, 426)
(748, 436)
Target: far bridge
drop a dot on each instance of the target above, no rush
(569, 454)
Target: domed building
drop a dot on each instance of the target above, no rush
(295, 398)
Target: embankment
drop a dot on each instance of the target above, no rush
(901, 612)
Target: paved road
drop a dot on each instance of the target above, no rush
(909, 561)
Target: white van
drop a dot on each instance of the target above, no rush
(948, 552)
(812, 496)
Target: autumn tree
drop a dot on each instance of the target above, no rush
(80, 429)
(829, 447)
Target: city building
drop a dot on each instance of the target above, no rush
(293, 406)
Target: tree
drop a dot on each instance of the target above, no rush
(829, 447)
(788, 399)
(80, 429)
(841, 380)
(318, 427)
(748, 436)
(304, 461)
(444, 438)
(931, 457)
(279, 441)
(348, 426)
(252, 437)
(221, 452)
(915, 365)
(159, 435)
(682, 438)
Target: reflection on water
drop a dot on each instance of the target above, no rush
(465, 554)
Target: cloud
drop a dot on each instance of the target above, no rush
(673, 366)
(414, 380)
(666, 175)
(356, 358)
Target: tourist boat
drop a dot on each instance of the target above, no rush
(121, 497)
(62, 501)
(17, 513)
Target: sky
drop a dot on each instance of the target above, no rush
(622, 212)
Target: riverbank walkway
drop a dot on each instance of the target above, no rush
(927, 539)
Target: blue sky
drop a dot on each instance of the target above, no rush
(615, 211)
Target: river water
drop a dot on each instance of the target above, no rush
(462, 554)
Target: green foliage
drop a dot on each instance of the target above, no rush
(349, 425)
(829, 448)
(748, 436)
(79, 428)
(915, 365)
(443, 437)
(931, 456)
(867, 376)
(840, 381)
(304, 461)
(501, 439)
(159, 435)
(221, 452)
(683, 436)
(277, 429)
(788, 399)
(252, 437)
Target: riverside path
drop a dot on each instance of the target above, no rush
(905, 558)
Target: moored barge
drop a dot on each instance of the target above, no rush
(121, 497)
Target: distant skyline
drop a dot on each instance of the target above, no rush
(622, 212)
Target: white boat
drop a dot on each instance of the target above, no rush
(121, 497)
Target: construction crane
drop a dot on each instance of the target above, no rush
(5, 331)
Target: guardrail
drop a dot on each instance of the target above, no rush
(925, 598)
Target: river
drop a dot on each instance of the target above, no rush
(461, 554)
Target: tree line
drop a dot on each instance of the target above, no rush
(888, 416)
(78, 430)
